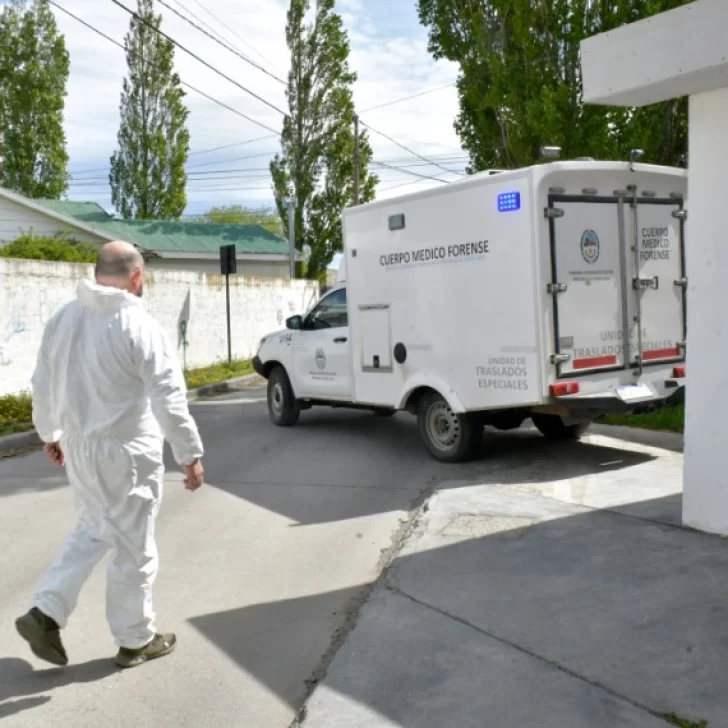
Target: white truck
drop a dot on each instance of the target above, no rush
(555, 293)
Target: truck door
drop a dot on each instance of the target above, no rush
(322, 351)
(587, 266)
(617, 282)
(657, 281)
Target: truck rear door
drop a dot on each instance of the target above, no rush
(657, 298)
(617, 282)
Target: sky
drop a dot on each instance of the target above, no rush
(388, 52)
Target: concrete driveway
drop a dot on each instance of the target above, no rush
(260, 571)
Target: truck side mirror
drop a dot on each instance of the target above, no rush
(294, 322)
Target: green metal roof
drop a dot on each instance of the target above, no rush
(88, 212)
(173, 237)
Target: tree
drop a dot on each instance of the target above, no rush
(239, 215)
(316, 163)
(148, 175)
(520, 81)
(34, 68)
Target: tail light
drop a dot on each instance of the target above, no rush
(563, 388)
(678, 373)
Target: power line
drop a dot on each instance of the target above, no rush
(407, 98)
(221, 43)
(414, 174)
(189, 86)
(192, 154)
(237, 35)
(177, 44)
(407, 149)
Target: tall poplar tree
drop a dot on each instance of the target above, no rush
(316, 162)
(520, 83)
(148, 175)
(34, 70)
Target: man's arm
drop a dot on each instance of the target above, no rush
(167, 391)
(48, 428)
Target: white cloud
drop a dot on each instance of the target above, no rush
(388, 67)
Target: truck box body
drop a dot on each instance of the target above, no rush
(494, 289)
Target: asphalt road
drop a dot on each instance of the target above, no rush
(260, 569)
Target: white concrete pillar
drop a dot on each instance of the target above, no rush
(705, 479)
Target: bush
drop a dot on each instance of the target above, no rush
(16, 413)
(58, 248)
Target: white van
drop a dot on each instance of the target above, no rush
(555, 293)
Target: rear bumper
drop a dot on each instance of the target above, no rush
(622, 400)
(258, 366)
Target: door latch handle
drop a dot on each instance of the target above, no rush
(341, 340)
(642, 284)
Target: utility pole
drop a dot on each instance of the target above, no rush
(356, 159)
(292, 233)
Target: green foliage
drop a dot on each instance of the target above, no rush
(676, 720)
(520, 81)
(316, 162)
(239, 215)
(16, 413)
(217, 373)
(34, 68)
(148, 175)
(668, 419)
(50, 248)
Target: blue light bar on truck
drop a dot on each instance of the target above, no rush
(509, 201)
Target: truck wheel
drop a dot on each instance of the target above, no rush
(448, 436)
(552, 427)
(282, 406)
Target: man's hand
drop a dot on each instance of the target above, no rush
(55, 453)
(194, 475)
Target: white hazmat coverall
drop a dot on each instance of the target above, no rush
(109, 388)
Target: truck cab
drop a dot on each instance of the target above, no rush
(309, 361)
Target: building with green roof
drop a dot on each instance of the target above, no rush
(190, 246)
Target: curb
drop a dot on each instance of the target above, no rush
(22, 440)
(673, 441)
(229, 385)
(19, 441)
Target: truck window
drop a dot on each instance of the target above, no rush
(330, 313)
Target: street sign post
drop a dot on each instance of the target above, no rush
(228, 267)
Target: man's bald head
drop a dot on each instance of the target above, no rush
(120, 265)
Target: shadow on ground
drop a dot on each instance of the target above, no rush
(19, 681)
(585, 618)
(367, 462)
(272, 641)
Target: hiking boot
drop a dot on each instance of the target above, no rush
(43, 635)
(161, 645)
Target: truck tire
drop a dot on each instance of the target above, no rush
(448, 436)
(552, 427)
(282, 406)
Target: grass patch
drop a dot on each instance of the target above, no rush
(673, 719)
(217, 373)
(16, 414)
(667, 419)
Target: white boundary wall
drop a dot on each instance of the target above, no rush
(31, 291)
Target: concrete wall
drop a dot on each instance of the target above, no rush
(17, 219)
(32, 291)
(264, 269)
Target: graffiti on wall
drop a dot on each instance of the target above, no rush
(14, 326)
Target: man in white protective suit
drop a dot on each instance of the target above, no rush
(107, 390)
